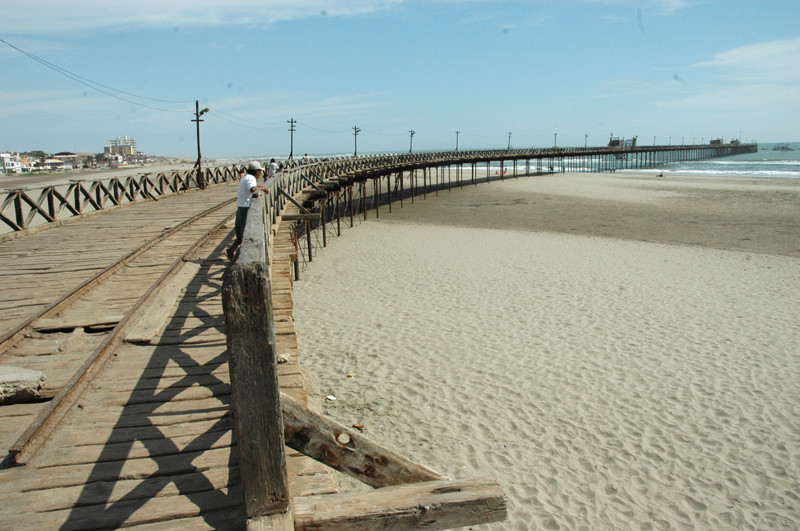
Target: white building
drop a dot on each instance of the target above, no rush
(53, 164)
(121, 146)
(10, 163)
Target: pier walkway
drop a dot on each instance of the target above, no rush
(150, 439)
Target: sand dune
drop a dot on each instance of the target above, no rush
(607, 383)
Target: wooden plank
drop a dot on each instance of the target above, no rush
(63, 498)
(429, 505)
(301, 217)
(254, 384)
(346, 450)
(75, 320)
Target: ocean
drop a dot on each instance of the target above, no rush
(764, 163)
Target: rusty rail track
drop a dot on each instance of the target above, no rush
(49, 416)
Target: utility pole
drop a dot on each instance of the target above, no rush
(509, 141)
(291, 123)
(457, 133)
(201, 180)
(585, 141)
(555, 139)
(411, 141)
(356, 130)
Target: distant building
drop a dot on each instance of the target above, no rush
(53, 164)
(70, 160)
(10, 163)
(121, 146)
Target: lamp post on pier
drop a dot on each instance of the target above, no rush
(555, 139)
(201, 180)
(411, 140)
(457, 133)
(585, 141)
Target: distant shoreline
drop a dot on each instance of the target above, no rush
(36, 180)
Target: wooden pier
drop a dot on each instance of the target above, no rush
(139, 421)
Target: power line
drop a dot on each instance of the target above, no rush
(384, 134)
(322, 130)
(94, 84)
(235, 119)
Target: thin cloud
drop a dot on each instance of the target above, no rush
(48, 16)
(763, 75)
(724, 99)
(775, 61)
(662, 6)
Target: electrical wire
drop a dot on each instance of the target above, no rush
(235, 119)
(323, 130)
(110, 91)
(94, 84)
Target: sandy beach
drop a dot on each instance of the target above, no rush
(619, 351)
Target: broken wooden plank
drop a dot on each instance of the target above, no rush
(428, 505)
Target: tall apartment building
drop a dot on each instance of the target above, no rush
(121, 146)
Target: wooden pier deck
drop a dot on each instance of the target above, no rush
(150, 441)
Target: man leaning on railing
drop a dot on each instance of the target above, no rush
(248, 185)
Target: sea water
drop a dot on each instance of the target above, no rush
(766, 162)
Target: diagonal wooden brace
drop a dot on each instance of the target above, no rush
(346, 450)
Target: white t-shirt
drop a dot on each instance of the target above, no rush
(272, 169)
(247, 183)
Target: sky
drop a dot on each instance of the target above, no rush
(483, 73)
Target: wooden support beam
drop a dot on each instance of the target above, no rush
(301, 217)
(255, 394)
(346, 450)
(292, 200)
(428, 505)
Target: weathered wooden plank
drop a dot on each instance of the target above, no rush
(137, 512)
(97, 434)
(429, 505)
(64, 498)
(101, 449)
(346, 450)
(159, 310)
(255, 392)
(75, 320)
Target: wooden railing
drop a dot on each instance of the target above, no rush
(23, 208)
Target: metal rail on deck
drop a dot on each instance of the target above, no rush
(48, 419)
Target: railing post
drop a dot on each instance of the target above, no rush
(255, 391)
